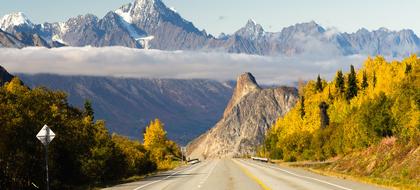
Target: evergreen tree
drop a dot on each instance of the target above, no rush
(330, 96)
(351, 84)
(318, 85)
(302, 106)
(88, 109)
(339, 81)
(364, 81)
(325, 120)
(374, 80)
(408, 68)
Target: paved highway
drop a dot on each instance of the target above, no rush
(240, 174)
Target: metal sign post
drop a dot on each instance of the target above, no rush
(183, 152)
(46, 135)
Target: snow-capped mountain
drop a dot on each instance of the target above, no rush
(15, 19)
(24, 32)
(311, 38)
(167, 30)
(170, 30)
(252, 31)
(384, 41)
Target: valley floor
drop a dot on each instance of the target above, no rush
(241, 174)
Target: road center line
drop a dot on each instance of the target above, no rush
(151, 183)
(301, 176)
(250, 175)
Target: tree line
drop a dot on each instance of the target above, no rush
(83, 154)
(353, 111)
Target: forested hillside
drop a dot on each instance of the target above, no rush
(355, 111)
(83, 153)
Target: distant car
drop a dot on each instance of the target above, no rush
(260, 159)
(194, 161)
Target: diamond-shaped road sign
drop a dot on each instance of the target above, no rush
(45, 135)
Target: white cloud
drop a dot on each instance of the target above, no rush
(137, 63)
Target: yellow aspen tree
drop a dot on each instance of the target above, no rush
(155, 135)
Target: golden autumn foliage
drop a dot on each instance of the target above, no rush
(379, 100)
(83, 152)
(163, 151)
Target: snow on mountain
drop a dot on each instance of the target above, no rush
(124, 12)
(15, 19)
(127, 20)
(127, 25)
(252, 30)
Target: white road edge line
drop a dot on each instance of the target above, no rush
(145, 185)
(302, 176)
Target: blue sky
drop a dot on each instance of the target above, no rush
(229, 15)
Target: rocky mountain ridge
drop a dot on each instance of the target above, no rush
(129, 24)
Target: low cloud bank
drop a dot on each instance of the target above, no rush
(137, 63)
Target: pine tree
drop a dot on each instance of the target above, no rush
(374, 80)
(89, 109)
(330, 96)
(339, 81)
(318, 86)
(364, 81)
(351, 84)
(325, 120)
(302, 106)
(408, 69)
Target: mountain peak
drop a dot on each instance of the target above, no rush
(246, 81)
(251, 22)
(245, 84)
(307, 27)
(251, 30)
(144, 2)
(14, 19)
(141, 9)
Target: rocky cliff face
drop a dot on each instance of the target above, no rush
(9, 41)
(250, 112)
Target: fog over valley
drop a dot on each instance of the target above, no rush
(138, 63)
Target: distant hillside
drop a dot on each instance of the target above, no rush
(187, 107)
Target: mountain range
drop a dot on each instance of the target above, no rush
(129, 24)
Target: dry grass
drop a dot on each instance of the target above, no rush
(389, 163)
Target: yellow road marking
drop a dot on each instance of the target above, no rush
(249, 174)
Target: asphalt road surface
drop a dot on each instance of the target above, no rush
(240, 174)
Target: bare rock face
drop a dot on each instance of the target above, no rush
(9, 41)
(249, 114)
(245, 84)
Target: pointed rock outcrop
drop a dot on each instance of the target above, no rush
(249, 114)
(245, 84)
